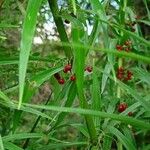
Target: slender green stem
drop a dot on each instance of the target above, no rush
(60, 26)
(118, 87)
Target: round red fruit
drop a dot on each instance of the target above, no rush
(67, 68)
(73, 78)
(61, 81)
(89, 69)
(119, 47)
(122, 107)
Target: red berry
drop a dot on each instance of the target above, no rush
(130, 113)
(122, 107)
(120, 70)
(61, 81)
(57, 76)
(120, 73)
(129, 75)
(89, 69)
(119, 47)
(120, 76)
(67, 68)
(73, 78)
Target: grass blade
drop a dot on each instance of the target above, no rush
(11, 146)
(128, 120)
(26, 42)
(124, 140)
(21, 136)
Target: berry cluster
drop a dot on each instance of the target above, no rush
(124, 75)
(125, 47)
(67, 69)
(122, 107)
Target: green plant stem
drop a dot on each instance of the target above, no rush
(60, 27)
(36, 122)
(118, 87)
(119, 146)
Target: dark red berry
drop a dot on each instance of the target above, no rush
(61, 81)
(57, 76)
(119, 47)
(73, 78)
(89, 69)
(120, 73)
(121, 70)
(122, 107)
(130, 113)
(120, 76)
(129, 75)
(67, 68)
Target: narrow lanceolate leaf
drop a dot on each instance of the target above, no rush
(77, 35)
(26, 42)
(20, 136)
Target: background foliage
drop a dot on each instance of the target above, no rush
(38, 39)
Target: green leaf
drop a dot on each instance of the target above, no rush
(107, 142)
(21, 136)
(123, 139)
(79, 37)
(105, 76)
(62, 145)
(11, 146)
(124, 119)
(29, 26)
(38, 79)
